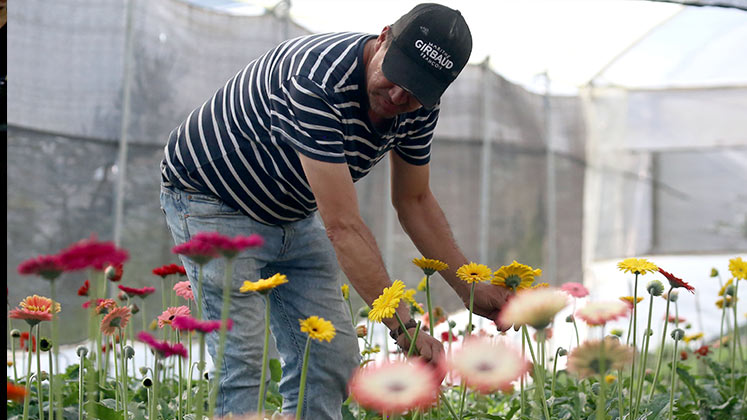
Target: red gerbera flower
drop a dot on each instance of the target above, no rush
(24, 339)
(15, 392)
(702, 351)
(83, 290)
(676, 281)
(131, 291)
(445, 337)
(163, 348)
(168, 270)
(47, 266)
(92, 253)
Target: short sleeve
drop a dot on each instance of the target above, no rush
(417, 133)
(303, 118)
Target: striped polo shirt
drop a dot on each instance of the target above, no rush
(307, 95)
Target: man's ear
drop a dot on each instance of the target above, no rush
(385, 33)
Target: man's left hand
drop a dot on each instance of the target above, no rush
(488, 302)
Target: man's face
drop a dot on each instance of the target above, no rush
(386, 100)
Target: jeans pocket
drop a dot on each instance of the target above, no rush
(205, 205)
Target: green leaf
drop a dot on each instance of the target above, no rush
(346, 414)
(95, 410)
(276, 371)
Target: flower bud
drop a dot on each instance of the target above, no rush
(363, 312)
(110, 272)
(361, 331)
(81, 351)
(569, 319)
(714, 272)
(617, 332)
(15, 333)
(134, 308)
(562, 352)
(655, 288)
(129, 352)
(452, 324)
(147, 382)
(345, 291)
(673, 296)
(688, 326)
(122, 296)
(45, 344)
(44, 375)
(677, 334)
(143, 370)
(206, 376)
(10, 363)
(650, 332)
(729, 290)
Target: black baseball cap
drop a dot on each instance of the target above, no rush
(431, 44)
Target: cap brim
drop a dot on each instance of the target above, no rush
(403, 71)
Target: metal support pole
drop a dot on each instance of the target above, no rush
(550, 274)
(485, 167)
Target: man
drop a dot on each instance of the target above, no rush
(282, 142)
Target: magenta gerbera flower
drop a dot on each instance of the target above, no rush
(92, 253)
(169, 269)
(47, 266)
(576, 290)
(187, 323)
(132, 291)
(162, 348)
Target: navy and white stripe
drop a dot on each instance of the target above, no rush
(307, 95)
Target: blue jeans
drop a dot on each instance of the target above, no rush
(301, 251)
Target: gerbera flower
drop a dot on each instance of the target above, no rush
(83, 290)
(163, 348)
(318, 328)
(676, 282)
(24, 339)
(47, 266)
(702, 351)
(184, 289)
(92, 253)
(673, 319)
(725, 286)
(738, 268)
(227, 246)
(629, 300)
(430, 266)
(476, 363)
(187, 323)
(421, 285)
(515, 276)
(38, 303)
(585, 361)
(198, 251)
(691, 337)
(15, 392)
(35, 309)
(438, 314)
(116, 318)
(409, 297)
(169, 269)
(535, 307)
(727, 301)
(345, 289)
(473, 273)
(385, 305)
(132, 291)
(576, 290)
(445, 337)
(540, 286)
(599, 313)
(170, 313)
(103, 306)
(394, 386)
(264, 285)
(636, 266)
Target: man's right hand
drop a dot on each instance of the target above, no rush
(426, 346)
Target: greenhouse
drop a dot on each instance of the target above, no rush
(589, 154)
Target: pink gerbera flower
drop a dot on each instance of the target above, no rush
(92, 253)
(187, 323)
(576, 290)
(103, 306)
(394, 386)
(47, 266)
(476, 363)
(35, 309)
(184, 289)
(169, 269)
(599, 313)
(169, 314)
(534, 307)
(116, 318)
(131, 291)
(162, 348)
(676, 281)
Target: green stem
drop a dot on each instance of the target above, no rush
(198, 296)
(468, 332)
(601, 401)
(674, 376)
(521, 381)
(179, 363)
(145, 328)
(80, 387)
(28, 376)
(302, 386)
(446, 403)
(189, 366)
(263, 376)
(635, 326)
(575, 327)
(116, 373)
(38, 374)
(125, 378)
(735, 339)
(539, 383)
(227, 283)
(164, 304)
(56, 390)
(554, 370)
(646, 340)
(156, 412)
(428, 303)
(661, 347)
(414, 339)
(201, 380)
(13, 352)
(51, 385)
(620, 392)
(462, 397)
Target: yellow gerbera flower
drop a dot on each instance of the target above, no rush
(637, 266)
(723, 288)
(610, 379)
(430, 266)
(421, 285)
(474, 273)
(264, 285)
(738, 268)
(409, 297)
(727, 301)
(629, 300)
(345, 291)
(691, 337)
(540, 285)
(515, 276)
(385, 305)
(318, 328)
